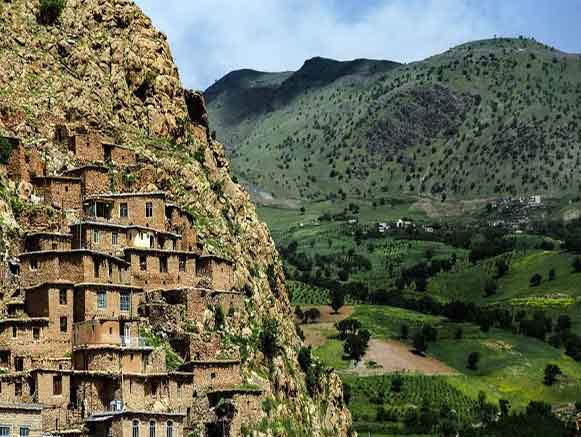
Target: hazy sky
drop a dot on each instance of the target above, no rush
(209, 38)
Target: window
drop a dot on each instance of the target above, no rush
(182, 263)
(18, 389)
(14, 332)
(63, 297)
(114, 238)
(33, 264)
(135, 432)
(96, 266)
(142, 263)
(148, 209)
(24, 431)
(63, 323)
(36, 333)
(125, 302)
(123, 210)
(101, 299)
(169, 429)
(152, 428)
(96, 236)
(163, 264)
(57, 385)
(110, 270)
(18, 364)
(4, 431)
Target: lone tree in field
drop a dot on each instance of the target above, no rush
(552, 371)
(404, 332)
(535, 280)
(473, 359)
(420, 343)
(337, 300)
(577, 264)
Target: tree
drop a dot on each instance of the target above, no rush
(337, 300)
(50, 11)
(577, 264)
(563, 323)
(404, 332)
(420, 344)
(504, 407)
(356, 346)
(490, 287)
(535, 280)
(268, 338)
(299, 313)
(312, 314)
(552, 371)
(430, 333)
(304, 358)
(459, 334)
(473, 359)
(552, 275)
(501, 268)
(396, 383)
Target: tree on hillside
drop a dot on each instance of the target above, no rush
(473, 359)
(577, 264)
(312, 314)
(420, 344)
(490, 287)
(552, 275)
(396, 383)
(337, 300)
(404, 332)
(536, 280)
(501, 268)
(552, 371)
(563, 323)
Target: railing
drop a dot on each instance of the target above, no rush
(134, 342)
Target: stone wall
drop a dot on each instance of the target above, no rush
(59, 192)
(180, 222)
(218, 270)
(37, 242)
(212, 375)
(94, 179)
(87, 305)
(15, 389)
(87, 147)
(136, 209)
(25, 417)
(119, 155)
(146, 269)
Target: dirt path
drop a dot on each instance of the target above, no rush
(317, 333)
(393, 356)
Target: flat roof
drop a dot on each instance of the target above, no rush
(22, 406)
(109, 415)
(110, 143)
(72, 252)
(47, 234)
(106, 285)
(217, 257)
(57, 178)
(24, 321)
(120, 226)
(134, 194)
(87, 167)
(161, 251)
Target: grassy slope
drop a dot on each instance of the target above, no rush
(291, 149)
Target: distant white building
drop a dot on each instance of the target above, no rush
(404, 224)
(535, 200)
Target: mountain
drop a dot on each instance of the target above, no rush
(487, 118)
(99, 69)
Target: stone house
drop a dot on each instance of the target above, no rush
(94, 301)
(111, 238)
(127, 423)
(62, 192)
(75, 266)
(43, 241)
(21, 419)
(159, 269)
(142, 209)
(119, 155)
(218, 270)
(23, 339)
(182, 222)
(214, 374)
(94, 179)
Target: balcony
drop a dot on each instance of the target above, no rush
(135, 343)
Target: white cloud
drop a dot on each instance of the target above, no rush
(209, 38)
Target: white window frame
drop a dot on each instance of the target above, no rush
(102, 302)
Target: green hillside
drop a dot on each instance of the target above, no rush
(486, 118)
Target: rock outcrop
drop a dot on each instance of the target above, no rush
(102, 67)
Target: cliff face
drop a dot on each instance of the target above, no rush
(103, 67)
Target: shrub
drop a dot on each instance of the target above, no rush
(50, 11)
(337, 300)
(577, 264)
(269, 338)
(305, 359)
(420, 344)
(473, 359)
(535, 280)
(396, 383)
(551, 373)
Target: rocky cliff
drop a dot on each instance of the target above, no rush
(102, 67)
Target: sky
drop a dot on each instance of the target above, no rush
(210, 38)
